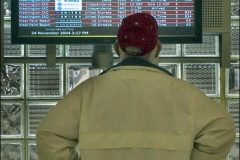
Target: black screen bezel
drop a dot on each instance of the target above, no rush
(16, 39)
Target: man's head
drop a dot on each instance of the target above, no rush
(138, 36)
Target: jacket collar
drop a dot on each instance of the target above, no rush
(136, 61)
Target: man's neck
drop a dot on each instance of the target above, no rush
(148, 59)
(136, 61)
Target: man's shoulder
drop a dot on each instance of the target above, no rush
(185, 86)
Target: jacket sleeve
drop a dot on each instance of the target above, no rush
(214, 129)
(57, 134)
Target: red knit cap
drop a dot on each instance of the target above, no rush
(138, 30)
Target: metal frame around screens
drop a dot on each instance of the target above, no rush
(105, 39)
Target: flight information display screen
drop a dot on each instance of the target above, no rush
(39, 20)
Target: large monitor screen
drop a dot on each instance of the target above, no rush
(87, 21)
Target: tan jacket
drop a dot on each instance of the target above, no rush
(136, 113)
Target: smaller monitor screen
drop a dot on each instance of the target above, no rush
(84, 21)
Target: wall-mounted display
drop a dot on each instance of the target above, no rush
(89, 22)
(44, 82)
(77, 73)
(232, 80)
(173, 68)
(203, 75)
(79, 50)
(10, 50)
(11, 151)
(208, 48)
(12, 81)
(11, 120)
(36, 112)
(40, 50)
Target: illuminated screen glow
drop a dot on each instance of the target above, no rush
(39, 19)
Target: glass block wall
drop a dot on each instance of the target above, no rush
(232, 77)
(29, 88)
